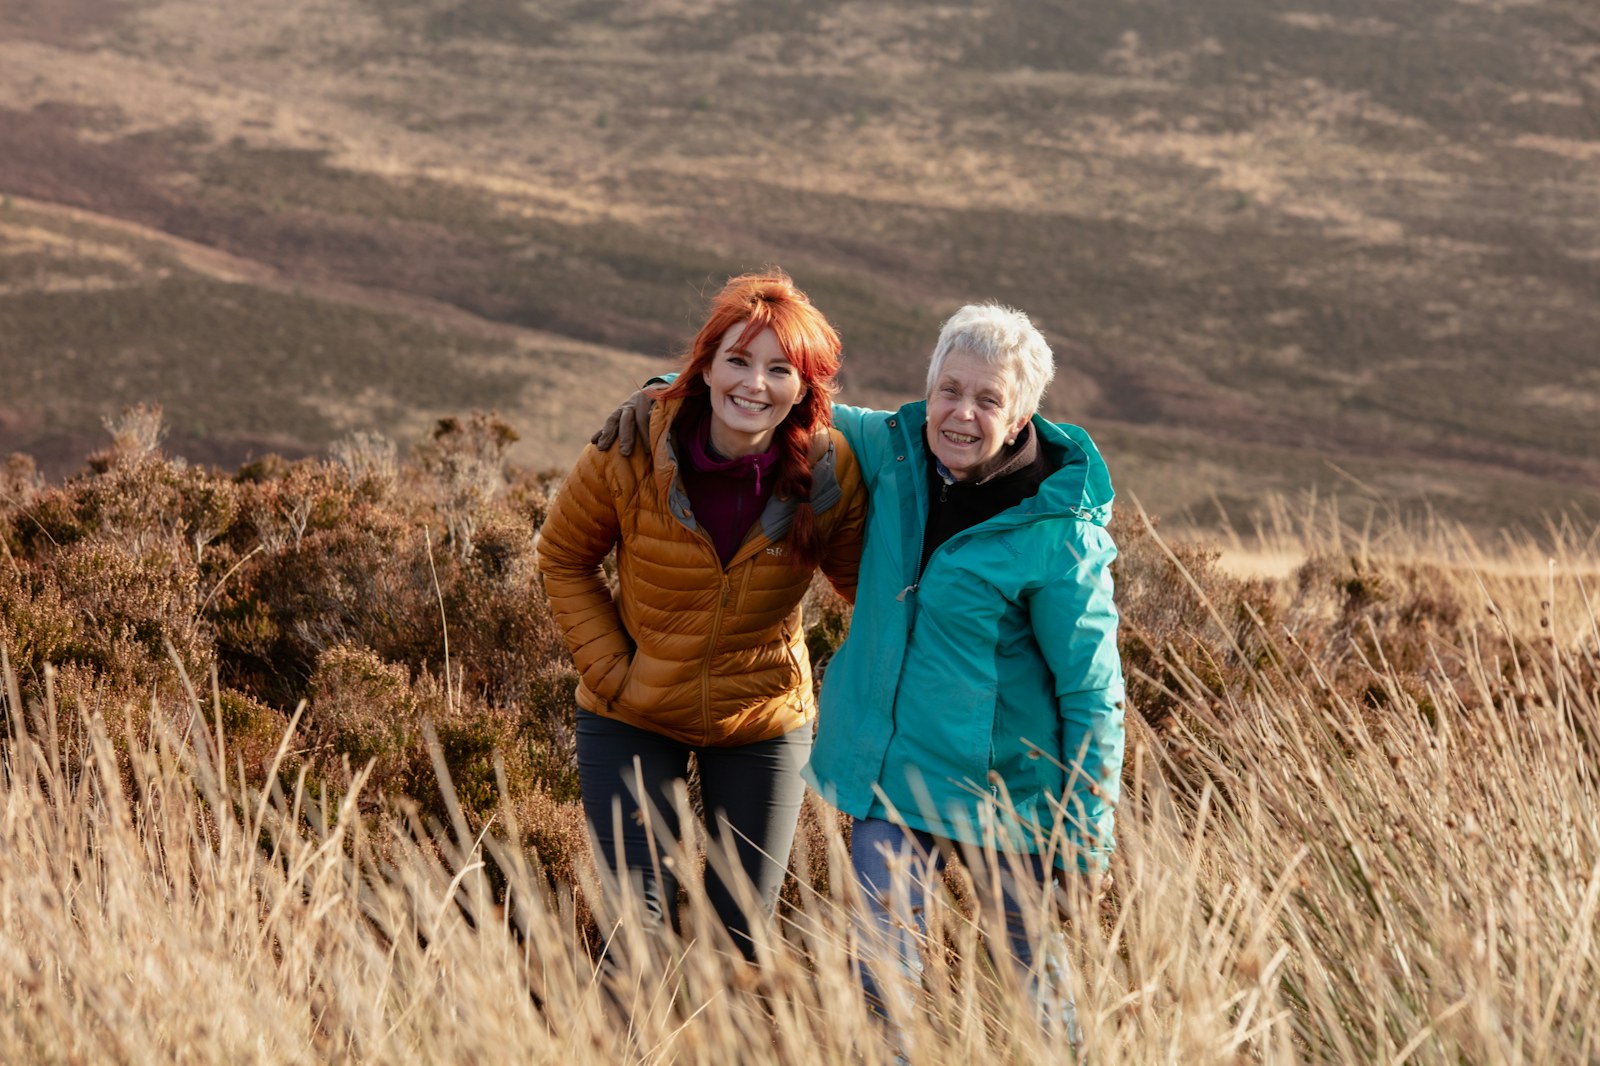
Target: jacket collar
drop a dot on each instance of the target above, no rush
(778, 515)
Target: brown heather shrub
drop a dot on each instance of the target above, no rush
(253, 732)
(1179, 607)
(20, 482)
(466, 460)
(1195, 634)
(344, 582)
(100, 604)
(131, 608)
(135, 433)
(356, 576)
(37, 626)
(530, 494)
(1350, 613)
(555, 835)
(371, 462)
(365, 710)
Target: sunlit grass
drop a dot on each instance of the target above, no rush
(1304, 873)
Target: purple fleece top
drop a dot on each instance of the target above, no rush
(727, 495)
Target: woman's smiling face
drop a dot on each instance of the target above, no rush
(969, 415)
(753, 388)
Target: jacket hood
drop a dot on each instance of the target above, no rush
(1087, 487)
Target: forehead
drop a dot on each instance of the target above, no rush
(973, 371)
(763, 345)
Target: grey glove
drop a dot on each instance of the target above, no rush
(628, 427)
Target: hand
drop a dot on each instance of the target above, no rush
(628, 427)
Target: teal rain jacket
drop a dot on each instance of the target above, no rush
(985, 701)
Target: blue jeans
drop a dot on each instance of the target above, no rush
(896, 868)
(751, 793)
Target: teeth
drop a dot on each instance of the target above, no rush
(748, 405)
(960, 438)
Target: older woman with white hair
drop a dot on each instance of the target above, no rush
(976, 706)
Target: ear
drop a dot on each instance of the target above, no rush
(705, 376)
(1016, 429)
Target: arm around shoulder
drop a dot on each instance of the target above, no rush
(857, 425)
(841, 557)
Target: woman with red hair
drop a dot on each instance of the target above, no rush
(744, 490)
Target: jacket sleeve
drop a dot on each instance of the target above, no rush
(1074, 618)
(581, 529)
(854, 422)
(841, 557)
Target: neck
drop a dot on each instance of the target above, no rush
(731, 444)
(977, 474)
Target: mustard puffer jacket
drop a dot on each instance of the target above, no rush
(705, 654)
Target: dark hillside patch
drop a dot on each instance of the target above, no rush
(42, 156)
(603, 281)
(62, 23)
(282, 358)
(725, 27)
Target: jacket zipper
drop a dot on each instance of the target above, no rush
(908, 595)
(724, 602)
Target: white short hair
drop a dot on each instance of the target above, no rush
(1002, 337)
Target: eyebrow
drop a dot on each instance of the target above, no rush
(986, 390)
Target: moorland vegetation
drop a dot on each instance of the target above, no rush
(287, 776)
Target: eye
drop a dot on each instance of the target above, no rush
(947, 390)
(780, 368)
(735, 359)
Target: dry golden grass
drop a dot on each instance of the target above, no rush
(1408, 872)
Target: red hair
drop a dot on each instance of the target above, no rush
(770, 301)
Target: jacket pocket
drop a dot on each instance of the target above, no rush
(609, 691)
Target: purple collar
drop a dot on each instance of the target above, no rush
(704, 457)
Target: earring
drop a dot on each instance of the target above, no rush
(1010, 441)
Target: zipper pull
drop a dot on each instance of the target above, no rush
(908, 596)
(944, 492)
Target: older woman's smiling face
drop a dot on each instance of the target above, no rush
(970, 416)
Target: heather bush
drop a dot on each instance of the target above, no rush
(365, 710)
(20, 482)
(1186, 623)
(383, 593)
(466, 461)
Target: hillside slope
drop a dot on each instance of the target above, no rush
(1262, 236)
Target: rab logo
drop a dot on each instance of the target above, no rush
(777, 549)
